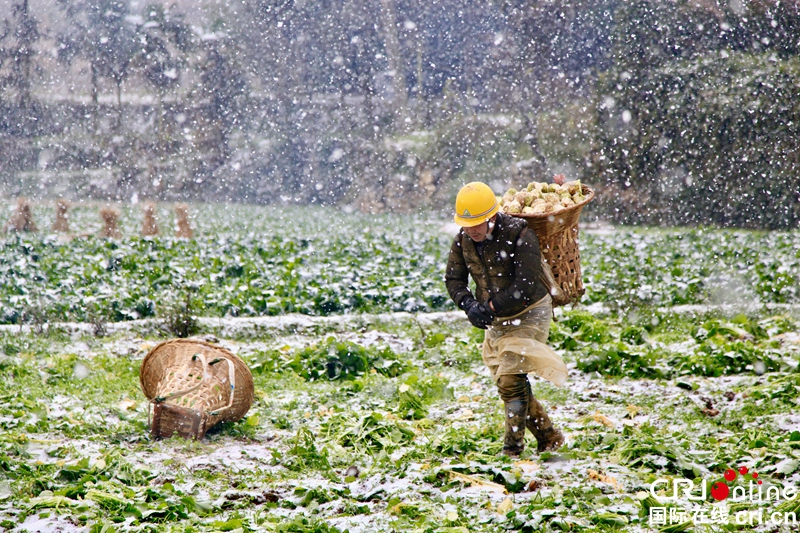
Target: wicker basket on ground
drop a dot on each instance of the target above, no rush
(194, 385)
(558, 241)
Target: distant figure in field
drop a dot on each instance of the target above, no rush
(182, 228)
(149, 224)
(22, 219)
(61, 223)
(110, 217)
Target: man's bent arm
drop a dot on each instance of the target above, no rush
(456, 277)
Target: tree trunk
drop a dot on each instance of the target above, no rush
(94, 92)
(395, 60)
(119, 104)
(26, 38)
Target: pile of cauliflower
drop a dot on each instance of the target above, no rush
(541, 198)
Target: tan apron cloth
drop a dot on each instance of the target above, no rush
(516, 345)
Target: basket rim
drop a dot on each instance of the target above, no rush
(544, 216)
(146, 381)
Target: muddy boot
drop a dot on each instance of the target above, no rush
(514, 441)
(548, 438)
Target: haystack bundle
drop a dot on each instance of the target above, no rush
(61, 223)
(110, 218)
(22, 219)
(183, 229)
(149, 224)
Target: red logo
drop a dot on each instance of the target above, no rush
(721, 490)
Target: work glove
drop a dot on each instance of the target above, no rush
(478, 314)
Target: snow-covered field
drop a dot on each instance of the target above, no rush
(680, 369)
(76, 455)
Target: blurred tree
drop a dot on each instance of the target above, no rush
(17, 65)
(397, 67)
(318, 65)
(276, 30)
(222, 85)
(566, 39)
(162, 39)
(694, 99)
(17, 54)
(550, 57)
(220, 100)
(98, 32)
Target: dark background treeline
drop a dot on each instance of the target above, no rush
(677, 112)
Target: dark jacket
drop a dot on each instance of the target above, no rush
(508, 271)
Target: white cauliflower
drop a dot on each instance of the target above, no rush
(514, 207)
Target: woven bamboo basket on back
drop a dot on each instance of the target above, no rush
(558, 241)
(194, 385)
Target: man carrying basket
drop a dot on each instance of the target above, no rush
(512, 303)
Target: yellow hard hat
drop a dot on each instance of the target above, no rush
(475, 204)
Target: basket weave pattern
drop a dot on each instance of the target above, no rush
(558, 241)
(194, 385)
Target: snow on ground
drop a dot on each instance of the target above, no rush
(247, 470)
(253, 327)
